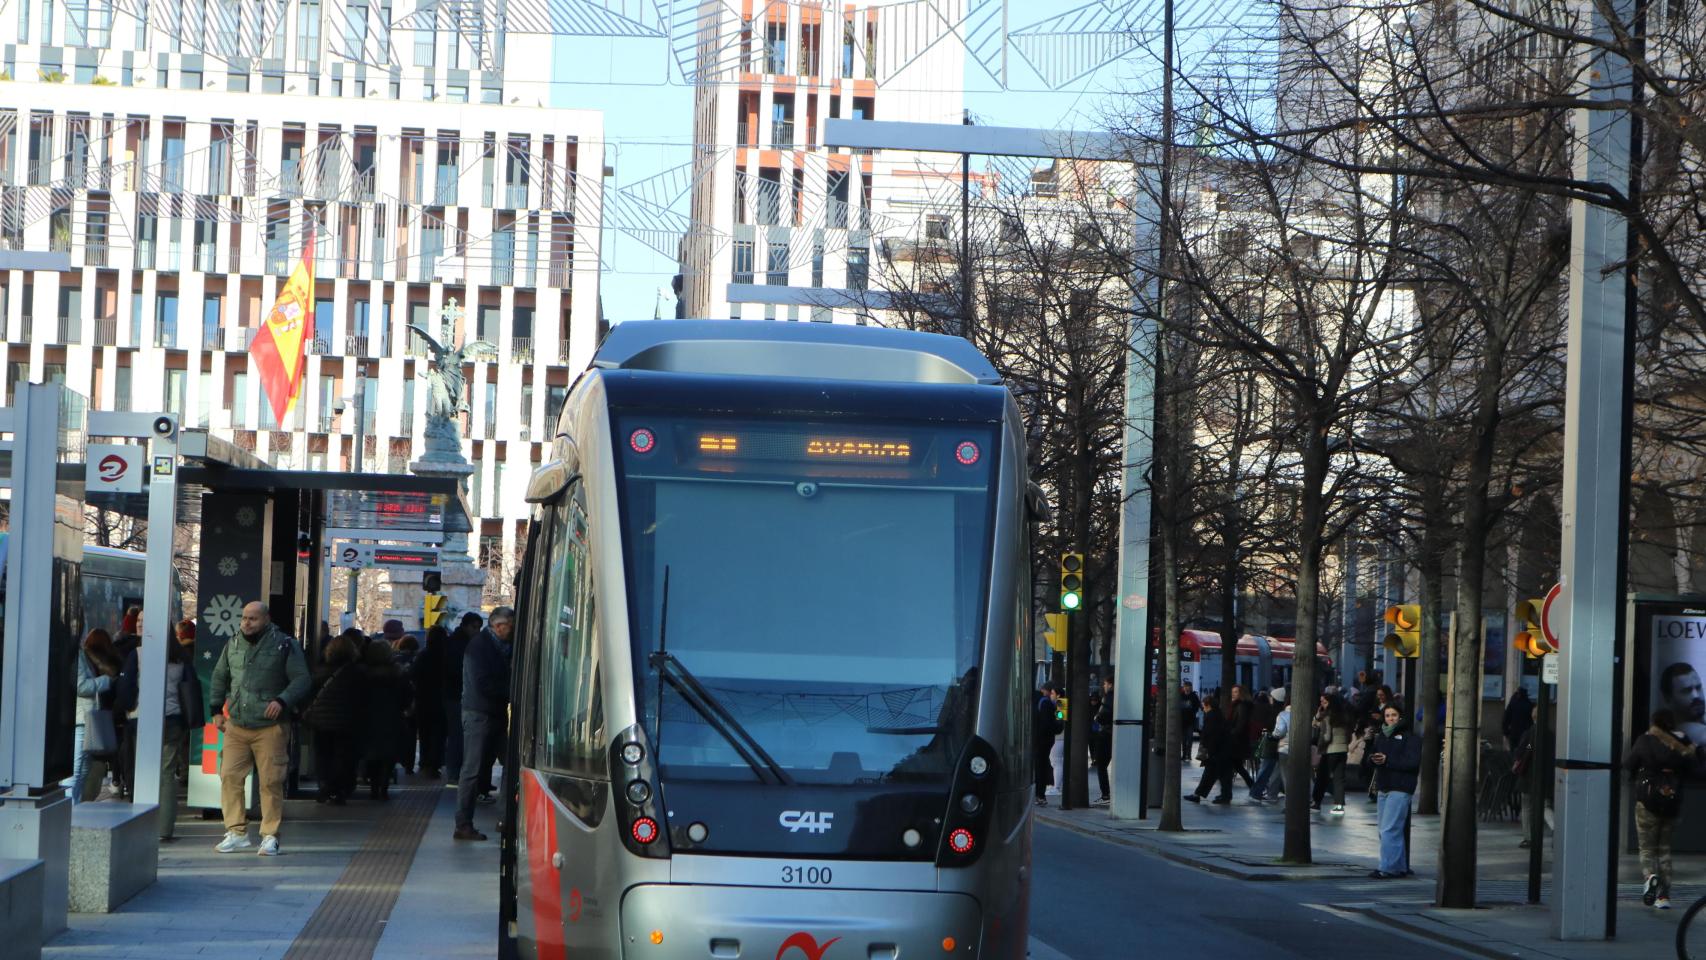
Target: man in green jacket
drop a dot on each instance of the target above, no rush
(256, 684)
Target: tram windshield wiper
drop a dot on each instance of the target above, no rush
(671, 670)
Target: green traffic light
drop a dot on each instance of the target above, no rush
(1060, 714)
(1069, 601)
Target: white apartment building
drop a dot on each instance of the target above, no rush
(784, 227)
(180, 152)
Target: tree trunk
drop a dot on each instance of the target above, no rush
(1297, 770)
(1431, 567)
(1170, 766)
(1458, 841)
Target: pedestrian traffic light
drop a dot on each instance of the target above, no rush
(1405, 637)
(1055, 636)
(433, 611)
(432, 581)
(1071, 581)
(1060, 709)
(1531, 639)
(304, 548)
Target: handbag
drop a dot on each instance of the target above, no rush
(100, 734)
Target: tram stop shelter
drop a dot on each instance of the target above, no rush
(246, 531)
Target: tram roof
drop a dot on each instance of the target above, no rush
(783, 349)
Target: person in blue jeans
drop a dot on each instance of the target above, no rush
(1397, 757)
(485, 704)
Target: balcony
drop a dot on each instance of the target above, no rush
(204, 257)
(741, 134)
(521, 349)
(95, 254)
(212, 338)
(166, 335)
(515, 196)
(364, 184)
(327, 422)
(782, 134)
(70, 329)
(106, 332)
(321, 347)
(357, 346)
(144, 254)
(562, 361)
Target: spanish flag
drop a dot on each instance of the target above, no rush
(278, 353)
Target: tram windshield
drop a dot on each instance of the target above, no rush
(826, 583)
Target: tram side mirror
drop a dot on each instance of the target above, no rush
(548, 482)
(1036, 503)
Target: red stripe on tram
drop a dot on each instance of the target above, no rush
(547, 881)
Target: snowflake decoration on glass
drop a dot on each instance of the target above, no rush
(246, 516)
(223, 615)
(228, 566)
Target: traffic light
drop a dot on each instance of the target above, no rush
(433, 610)
(1071, 581)
(1060, 709)
(1531, 640)
(1055, 636)
(432, 581)
(1405, 637)
(304, 548)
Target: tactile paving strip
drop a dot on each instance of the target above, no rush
(350, 920)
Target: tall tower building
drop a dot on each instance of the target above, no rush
(783, 226)
(174, 155)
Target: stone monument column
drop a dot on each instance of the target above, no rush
(464, 581)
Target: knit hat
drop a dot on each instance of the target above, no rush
(393, 629)
(1278, 694)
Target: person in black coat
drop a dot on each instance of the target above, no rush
(335, 716)
(1397, 758)
(1659, 760)
(428, 679)
(387, 698)
(1220, 748)
(1102, 738)
(1519, 716)
(1045, 726)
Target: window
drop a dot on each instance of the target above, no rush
(426, 42)
(858, 267)
(817, 264)
(408, 425)
(121, 389)
(491, 409)
(175, 382)
(743, 261)
(810, 48)
(240, 401)
(847, 48)
(570, 735)
(936, 226)
(308, 34)
(211, 308)
(769, 199)
(555, 395)
(355, 28)
(166, 320)
(777, 273)
(775, 47)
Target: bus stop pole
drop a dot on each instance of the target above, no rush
(157, 631)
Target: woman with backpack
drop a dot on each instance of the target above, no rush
(1659, 759)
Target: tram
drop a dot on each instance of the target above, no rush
(771, 693)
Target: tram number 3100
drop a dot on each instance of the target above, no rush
(808, 876)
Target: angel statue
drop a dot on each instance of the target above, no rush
(444, 375)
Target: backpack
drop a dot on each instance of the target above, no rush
(1660, 791)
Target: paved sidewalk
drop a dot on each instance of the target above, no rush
(1243, 841)
(244, 907)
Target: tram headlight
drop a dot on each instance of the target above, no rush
(971, 803)
(911, 837)
(979, 766)
(633, 753)
(639, 791)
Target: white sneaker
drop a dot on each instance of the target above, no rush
(1338, 810)
(233, 842)
(269, 847)
(1662, 903)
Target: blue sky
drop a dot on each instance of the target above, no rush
(648, 118)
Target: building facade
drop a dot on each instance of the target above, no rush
(785, 227)
(181, 152)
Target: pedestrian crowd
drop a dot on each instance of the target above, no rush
(373, 709)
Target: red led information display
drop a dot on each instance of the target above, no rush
(385, 510)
